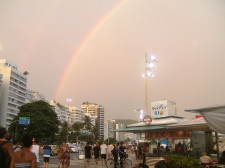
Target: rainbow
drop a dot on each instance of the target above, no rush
(82, 46)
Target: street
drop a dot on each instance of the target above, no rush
(80, 163)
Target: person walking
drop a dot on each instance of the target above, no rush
(96, 150)
(6, 149)
(64, 155)
(135, 150)
(103, 152)
(87, 150)
(144, 151)
(35, 148)
(47, 153)
(24, 158)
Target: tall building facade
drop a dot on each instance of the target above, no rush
(0, 84)
(34, 96)
(100, 120)
(110, 127)
(97, 113)
(61, 111)
(75, 115)
(13, 91)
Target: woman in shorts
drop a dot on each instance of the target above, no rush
(64, 155)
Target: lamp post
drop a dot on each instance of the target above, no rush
(141, 114)
(68, 116)
(150, 61)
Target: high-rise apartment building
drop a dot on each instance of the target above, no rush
(0, 84)
(100, 120)
(13, 91)
(110, 127)
(75, 115)
(96, 113)
(61, 111)
(34, 96)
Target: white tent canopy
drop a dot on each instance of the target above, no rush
(214, 116)
(161, 121)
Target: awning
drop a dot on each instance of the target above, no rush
(196, 124)
(138, 129)
(214, 116)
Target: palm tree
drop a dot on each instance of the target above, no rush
(87, 123)
(77, 126)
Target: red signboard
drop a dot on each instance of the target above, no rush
(147, 119)
(167, 134)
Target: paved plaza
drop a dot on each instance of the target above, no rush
(75, 163)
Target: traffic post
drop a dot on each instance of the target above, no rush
(24, 120)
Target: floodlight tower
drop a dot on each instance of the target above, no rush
(68, 118)
(150, 61)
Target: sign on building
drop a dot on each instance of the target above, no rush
(159, 109)
(163, 108)
(24, 120)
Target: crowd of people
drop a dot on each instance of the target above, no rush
(103, 151)
(12, 155)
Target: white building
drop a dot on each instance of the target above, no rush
(13, 91)
(120, 136)
(0, 84)
(34, 96)
(75, 115)
(110, 129)
(105, 130)
(61, 111)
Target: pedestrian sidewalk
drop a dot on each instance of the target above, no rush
(80, 163)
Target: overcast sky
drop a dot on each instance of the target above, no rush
(187, 36)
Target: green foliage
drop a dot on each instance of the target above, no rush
(95, 132)
(179, 161)
(77, 126)
(87, 123)
(110, 140)
(87, 138)
(43, 121)
(63, 133)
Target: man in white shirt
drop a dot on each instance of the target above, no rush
(103, 152)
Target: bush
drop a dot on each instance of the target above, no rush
(179, 161)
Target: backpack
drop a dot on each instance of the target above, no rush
(4, 162)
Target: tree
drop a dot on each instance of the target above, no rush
(44, 123)
(95, 132)
(63, 133)
(87, 123)
(77, 126)
(87, 138)
(110, 140)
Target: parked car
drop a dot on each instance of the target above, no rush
(75, 149)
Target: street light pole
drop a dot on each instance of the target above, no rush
(68, 117)
(150, 61)
(146, 96)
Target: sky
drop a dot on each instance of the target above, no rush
(94, 50)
